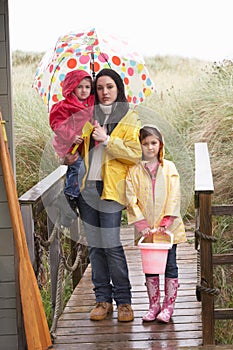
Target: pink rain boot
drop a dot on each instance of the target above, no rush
(152, 284)
(171, 286)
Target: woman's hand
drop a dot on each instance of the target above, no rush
(99, 134)
(69, 158)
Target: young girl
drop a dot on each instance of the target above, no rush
(67, 118)
(153, 195)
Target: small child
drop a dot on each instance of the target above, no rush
(67, 118)
(153, 197)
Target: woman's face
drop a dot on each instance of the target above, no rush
(106, 90)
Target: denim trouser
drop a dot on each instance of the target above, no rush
(101, 220)
(171, 266)
(74, 175)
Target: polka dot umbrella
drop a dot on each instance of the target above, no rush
(92, 50)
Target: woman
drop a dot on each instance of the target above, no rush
(112, 148)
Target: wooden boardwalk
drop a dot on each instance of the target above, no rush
(76, 331)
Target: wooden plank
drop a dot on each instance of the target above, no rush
(8, 322)
(222, 259)
(7, 237)
(223, 314)
(5, 220)
(3, 54)
(3, 81)
(7, 295)
(43, 186)
(76, 331)
(222, 210)
(7, 270)
(9, 342)
(2, 27)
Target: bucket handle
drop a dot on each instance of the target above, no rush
(169, 233)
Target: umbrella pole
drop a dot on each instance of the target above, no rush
(93, 65)
(35, 323)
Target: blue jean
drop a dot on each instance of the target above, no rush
(74, 175)
(102, 220)
(171, 265)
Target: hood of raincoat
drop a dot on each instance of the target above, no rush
(72, 80)
(71, 105)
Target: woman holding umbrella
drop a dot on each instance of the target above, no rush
(110, 150)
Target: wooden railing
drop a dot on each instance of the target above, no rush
(204, 239)
(41, 199)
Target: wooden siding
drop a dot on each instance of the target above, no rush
(9, 318)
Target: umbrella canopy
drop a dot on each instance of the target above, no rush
(92, 51)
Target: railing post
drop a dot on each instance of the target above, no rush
(27, 216)
(207, 299)
(203, 190)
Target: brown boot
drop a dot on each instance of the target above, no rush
(125, 313)
(101, 311)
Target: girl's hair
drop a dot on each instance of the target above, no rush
(152, 130)
(117, 79)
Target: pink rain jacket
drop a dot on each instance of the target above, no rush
(68, 116)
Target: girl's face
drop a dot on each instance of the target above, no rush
(150, 148)
(83, 90)
(106, 90)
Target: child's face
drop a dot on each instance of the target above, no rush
(83, 90)
(150, 148)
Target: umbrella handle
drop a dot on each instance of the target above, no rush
(93, 64)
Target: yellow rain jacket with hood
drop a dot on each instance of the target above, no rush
(122, 151)
(143, 204)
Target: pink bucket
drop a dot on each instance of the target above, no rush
(154, 255)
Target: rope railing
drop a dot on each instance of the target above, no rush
(200, 287)
(63, 265)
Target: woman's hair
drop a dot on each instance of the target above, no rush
(148, 130)
(117, 79)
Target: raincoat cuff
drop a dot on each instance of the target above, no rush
(106, 141)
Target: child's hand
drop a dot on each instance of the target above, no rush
(162, 229)
(146, 232)
(78, 139)
(69, 159)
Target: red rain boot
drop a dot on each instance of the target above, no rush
(152, 284)
(171, 286)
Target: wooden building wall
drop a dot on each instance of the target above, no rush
(10, 313)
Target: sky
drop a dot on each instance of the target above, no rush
(201, 29)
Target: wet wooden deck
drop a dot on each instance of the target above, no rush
(76, 331)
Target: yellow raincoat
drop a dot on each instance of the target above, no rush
(122, 151)
(141, 204)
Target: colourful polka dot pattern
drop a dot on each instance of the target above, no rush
(90, 52)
